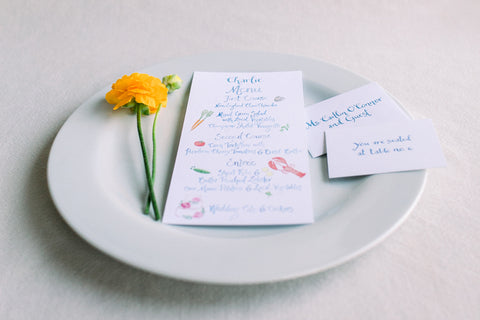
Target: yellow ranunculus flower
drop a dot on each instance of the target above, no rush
(144, 95)
(140, 88)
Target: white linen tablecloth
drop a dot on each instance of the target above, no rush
(56, 54)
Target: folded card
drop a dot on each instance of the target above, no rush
(410, 145)
(366, 105)
(242, 157)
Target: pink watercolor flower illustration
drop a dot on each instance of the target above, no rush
(191, 208)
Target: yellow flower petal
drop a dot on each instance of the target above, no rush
(145, 99)
(142, 87)
(112, 97)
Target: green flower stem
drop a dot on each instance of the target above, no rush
(154, 158)
(145, 162)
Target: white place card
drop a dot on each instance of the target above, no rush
(366, 105)
(242, 157)
(356, 151)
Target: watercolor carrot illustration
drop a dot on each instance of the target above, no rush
(205, 114)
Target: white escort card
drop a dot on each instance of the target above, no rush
(242, 157)
(366, 105)
(354, 151)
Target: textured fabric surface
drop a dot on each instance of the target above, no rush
(56, 54)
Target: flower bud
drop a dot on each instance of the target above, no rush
(172, 82)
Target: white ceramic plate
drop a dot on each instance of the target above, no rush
(96, 180)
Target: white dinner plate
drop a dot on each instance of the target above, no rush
(96, 179)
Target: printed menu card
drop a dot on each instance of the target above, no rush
(242, 158)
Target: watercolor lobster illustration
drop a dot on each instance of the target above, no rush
(280, 164)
